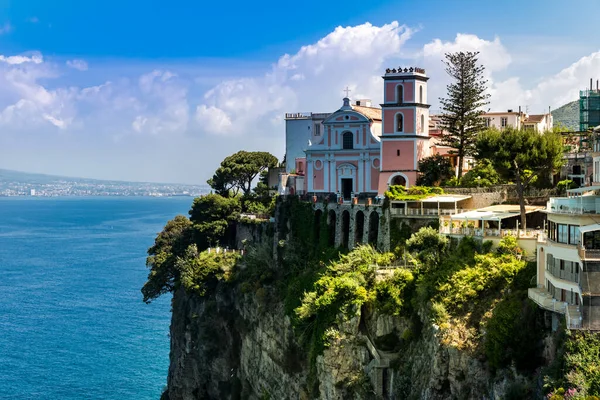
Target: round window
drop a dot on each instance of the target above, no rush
(318, 164)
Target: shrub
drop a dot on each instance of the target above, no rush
(565, 185)
(482, 175)
(391, 293)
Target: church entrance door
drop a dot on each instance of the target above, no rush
(346, 188)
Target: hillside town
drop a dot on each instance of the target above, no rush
(354, 155)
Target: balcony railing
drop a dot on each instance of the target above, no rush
(588, 254)
(574, 205)
(465, 231)
(573, 317)
(425, 211)
(546, 301)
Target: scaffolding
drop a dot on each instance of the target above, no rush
(589, 109)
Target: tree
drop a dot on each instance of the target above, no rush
(461, 116)
(433, 170)
(168, 245)
(521, 156)
(482, 175)
(238, 170)
(428, 245)
(212, 217)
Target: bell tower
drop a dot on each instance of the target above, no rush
(405, 126)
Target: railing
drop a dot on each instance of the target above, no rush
(588, 254)
(425, 211)
(564, 274)
(219, 250)
(574, 205)
(519, 233)
(573, 317)
(546, 301)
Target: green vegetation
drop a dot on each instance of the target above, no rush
(398, 192)
(565, 185)
(576, 371)
(199, 272)
(461, 111)
(482, 175)
(521, 156)
(238, 170)
(433, 170)
(567, 115)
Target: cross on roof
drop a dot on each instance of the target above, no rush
(347, 91)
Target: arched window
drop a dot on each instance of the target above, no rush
(421, 94)
(399, 94)
(422, 123)
(399, 123)
(347, 140)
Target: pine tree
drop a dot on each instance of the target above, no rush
(461, 116)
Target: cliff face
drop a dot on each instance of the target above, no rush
(238, 346)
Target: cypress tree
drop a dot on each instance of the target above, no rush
(461, 111)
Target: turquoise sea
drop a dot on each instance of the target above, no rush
(72, 321)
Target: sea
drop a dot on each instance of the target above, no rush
(72, 321)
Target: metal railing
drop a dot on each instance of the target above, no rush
(573, 317)
(546, 301)
(466, 231)
(588, 254)
(425, 211)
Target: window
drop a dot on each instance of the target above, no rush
(399, 123)
(573, 234)
(317, 129)
(398, 152)
(422, 123)
(488, 122)
(563, 233)
(348, 140)
(399, 94)
(421, 94)
(503, 122)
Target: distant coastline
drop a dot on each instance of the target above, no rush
(22, 184)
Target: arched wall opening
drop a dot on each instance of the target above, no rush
(317, 226)
(345, 228)
(359, 228)
(331, 225)
(373, 229)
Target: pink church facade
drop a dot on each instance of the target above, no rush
(360, 150)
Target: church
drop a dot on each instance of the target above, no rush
(360, 150)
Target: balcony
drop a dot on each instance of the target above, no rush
(574, 205)
(546, 301)
(588, 254)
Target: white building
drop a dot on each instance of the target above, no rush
(519, 120)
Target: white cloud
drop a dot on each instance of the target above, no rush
(172, 113)
(79, 65)
(14, 60)
(311, 79)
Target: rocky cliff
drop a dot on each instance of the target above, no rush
(237, 346)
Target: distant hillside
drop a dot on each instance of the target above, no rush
(8, 175)
(567, 115)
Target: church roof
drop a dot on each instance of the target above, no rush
(372, 113)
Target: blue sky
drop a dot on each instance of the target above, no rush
(162, 91)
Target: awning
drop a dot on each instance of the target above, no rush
(583, 189)
(494, 213)
(589, 228)
(445, 199)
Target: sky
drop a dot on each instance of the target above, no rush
(162, 91)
